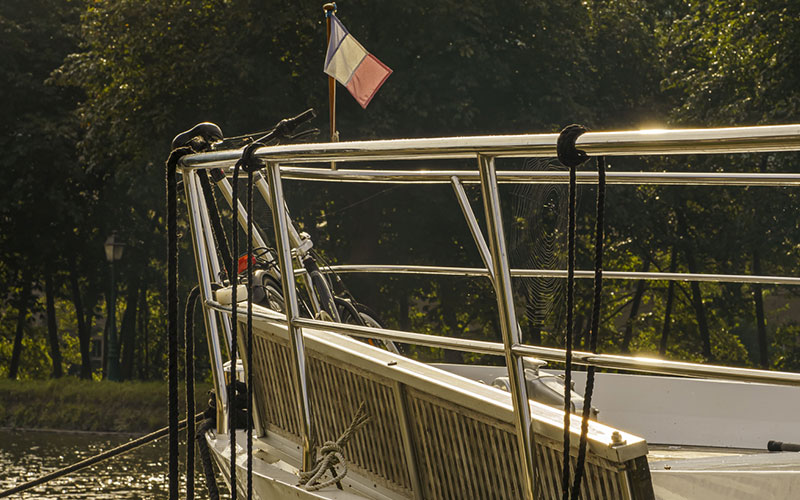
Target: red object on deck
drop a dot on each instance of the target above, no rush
(243, 263)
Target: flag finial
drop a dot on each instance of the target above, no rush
(329, 8)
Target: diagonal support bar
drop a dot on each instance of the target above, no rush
(472, 222)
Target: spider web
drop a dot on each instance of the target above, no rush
(538, 241)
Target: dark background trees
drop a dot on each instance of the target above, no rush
(92, 92)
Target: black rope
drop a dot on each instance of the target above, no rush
(172, 314)
(205, 456)
(87, 462)
(209, 423)
(598, 288)
(234, 328)
(249, 353)
(188, 335)
(249, 163)
(216, 222)
(570, 157)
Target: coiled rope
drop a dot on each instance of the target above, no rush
(332, 455)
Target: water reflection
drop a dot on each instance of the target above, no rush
(139, 474)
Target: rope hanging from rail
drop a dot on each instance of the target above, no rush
(570, 157)
(598, 288)
(249, 352)
(188, 335)
(333, 455)
(234, 327)
(250, 165)
(172, 313)
(209, 422)
(213, 212)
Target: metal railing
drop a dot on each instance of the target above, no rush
(485, 149)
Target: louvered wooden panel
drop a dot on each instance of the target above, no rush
(274, 387)
(463, 454)
(602, 478)
(335, 392)
(377, 449)
(460, 452)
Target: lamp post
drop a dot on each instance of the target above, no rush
(114, 247)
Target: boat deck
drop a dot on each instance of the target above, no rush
(699, 458)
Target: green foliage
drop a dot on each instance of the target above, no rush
(95, 90)
(733, 61)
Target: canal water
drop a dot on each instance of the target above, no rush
(139, 474)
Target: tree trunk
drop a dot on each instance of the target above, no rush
(128, 328)
(697, 296)
(405, 313)
(673, 266)
(52, 329)
(104, 357)
(763, 354)
(449, 319)
(22, 307)
(699, 307)
(143, 318)
(84, 332)
(637, 300)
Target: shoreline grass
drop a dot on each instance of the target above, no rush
(80, 405)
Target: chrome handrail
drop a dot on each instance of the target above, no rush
(486, 149)
(540, 177)
(611, 361)
(558, 273)
(764, 139)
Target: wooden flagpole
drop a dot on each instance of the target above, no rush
(330, 8)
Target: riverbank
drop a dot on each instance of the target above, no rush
(80, 405)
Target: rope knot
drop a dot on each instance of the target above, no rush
(568, 154)
(332, 455)
(330, 447)
(248, 162)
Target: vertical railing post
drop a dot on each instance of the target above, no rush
(508, 322)
(211, 248)
(199, 241)
(298, 356)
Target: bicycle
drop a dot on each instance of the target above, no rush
(320, 302)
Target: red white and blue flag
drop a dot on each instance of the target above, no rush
(352, 66)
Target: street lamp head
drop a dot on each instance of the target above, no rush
(114, 247)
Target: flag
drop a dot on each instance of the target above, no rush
(352, 66)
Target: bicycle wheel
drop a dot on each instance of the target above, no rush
(273, 294)
(366, 317)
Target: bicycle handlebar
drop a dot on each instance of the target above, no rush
(288, 125)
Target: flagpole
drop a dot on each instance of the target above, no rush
(330, 8)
